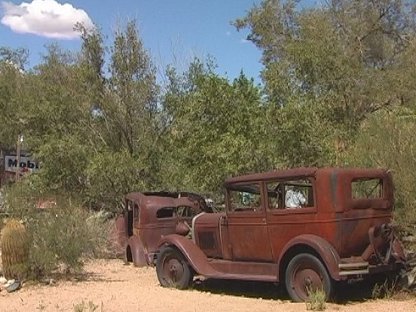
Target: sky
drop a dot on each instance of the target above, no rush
(173, 31)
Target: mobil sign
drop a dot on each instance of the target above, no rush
(26, 163)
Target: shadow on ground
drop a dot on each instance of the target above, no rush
(354, 292)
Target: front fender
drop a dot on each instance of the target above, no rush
(137, 251)
(193, 254)
(324, 249)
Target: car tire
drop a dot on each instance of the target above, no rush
(172, 269)
(306, 273)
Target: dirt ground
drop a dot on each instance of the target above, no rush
(112, 286)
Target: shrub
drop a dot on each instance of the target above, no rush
(385, 290)
(386, 140)
(62, 236)
(86, 307)
(65, 236)
(316, 300)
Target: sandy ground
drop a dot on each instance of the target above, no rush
(112, 286)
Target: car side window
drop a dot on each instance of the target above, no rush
(244, 197)
(136, 211)
(165, 212)
(274, 195)
(185, 212)
(290, 194)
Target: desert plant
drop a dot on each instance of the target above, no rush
(316, 300)
(63, 237)
(385, 289)
(86, 307)
(15, 249)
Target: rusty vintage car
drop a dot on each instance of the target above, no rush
(306, 228)
(148, 216)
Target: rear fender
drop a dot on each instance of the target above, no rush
(321, 247)
(193, 254)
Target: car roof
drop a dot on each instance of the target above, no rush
(269, 175)
(301, 172)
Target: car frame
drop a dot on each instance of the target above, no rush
(343, 231)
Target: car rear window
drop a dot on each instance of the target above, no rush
(367, 189)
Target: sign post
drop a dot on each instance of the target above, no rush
(19, 142)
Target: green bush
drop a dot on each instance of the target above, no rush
(316, 300)
(61, 236)
(386, 140)
(385, 289)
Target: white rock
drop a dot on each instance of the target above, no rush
(8, 283)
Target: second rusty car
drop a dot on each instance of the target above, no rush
(306, 228)
(150, 215)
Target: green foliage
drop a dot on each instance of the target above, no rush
(214, 129)
(385, 289)
(81, 125)
(349, 59)
(63, 235)
(66, 159)
(386, 140)
(11, 98)
(133, 92)
(110, 175)
(19, 199)
(14, 245)
(87, 307)
(16, 57)
(297, 135)
(316, 300)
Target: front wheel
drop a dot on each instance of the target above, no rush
(304, 274)
(172, 269)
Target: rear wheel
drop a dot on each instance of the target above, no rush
(172, 269)
(304, 274)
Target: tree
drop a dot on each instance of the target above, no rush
(350, 58)
(214, 128)
(56, 109)
(386, 140)
(124, 115)
(16, 57)
(133, 88)
(12, 95)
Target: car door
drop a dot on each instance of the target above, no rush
(291, 211)
(246, 223)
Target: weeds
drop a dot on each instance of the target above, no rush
(385, 290)
(41, 306)
(316, 300)
(87, 307)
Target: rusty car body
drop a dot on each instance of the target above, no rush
(150, 215)
(342, 230)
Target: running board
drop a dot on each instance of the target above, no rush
(242, 270)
